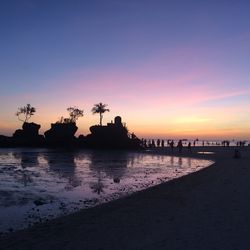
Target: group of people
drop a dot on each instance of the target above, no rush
(151, 143)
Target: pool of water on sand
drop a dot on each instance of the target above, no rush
(40, 184)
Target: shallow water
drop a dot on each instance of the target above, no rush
(39, 184)
(206, 153)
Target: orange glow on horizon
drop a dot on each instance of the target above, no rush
(181, 128)
(172, 107)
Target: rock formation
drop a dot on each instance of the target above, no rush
(113, 135)
(28, 135)
(61, 134)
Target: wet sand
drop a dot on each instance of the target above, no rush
(208, 209)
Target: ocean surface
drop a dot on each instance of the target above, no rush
(37, 185)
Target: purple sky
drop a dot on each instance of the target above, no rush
(169, 68)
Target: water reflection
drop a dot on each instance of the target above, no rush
(180, 161)
(62, 165)
(27, 160)
(98, 186)
(19, 172)
(43, 183)
(112, 165)
(107, 165)
(172, 160)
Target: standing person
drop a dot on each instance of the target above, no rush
(144, 143)
(162, 143)
(133, 136)
(189, 146)
(180, 146)
(172, 145)
(158, 143)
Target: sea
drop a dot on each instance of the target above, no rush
(37, 185)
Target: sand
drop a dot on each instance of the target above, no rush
(208, 209)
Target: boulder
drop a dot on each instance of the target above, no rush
(61, 134)
(114, 135)
(28, 135)
(6, 141)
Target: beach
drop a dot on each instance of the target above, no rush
(208, 209)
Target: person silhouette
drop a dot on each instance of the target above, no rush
(180, 145)
(172, 145)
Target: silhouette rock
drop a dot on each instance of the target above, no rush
(113, 135)
(82, 141)
(28, 136)
(61, 134)
(6, 141)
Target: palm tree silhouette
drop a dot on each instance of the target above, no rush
(100, 108)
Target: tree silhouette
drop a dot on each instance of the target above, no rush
(74, 113)
(26, 111)
(100, 108)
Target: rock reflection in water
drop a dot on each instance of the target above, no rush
(39, 184)
(62, 164)
(27, 161)
(107, 165)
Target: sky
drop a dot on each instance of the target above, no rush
(170, 69)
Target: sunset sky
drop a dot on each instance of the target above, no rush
(171, 69)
